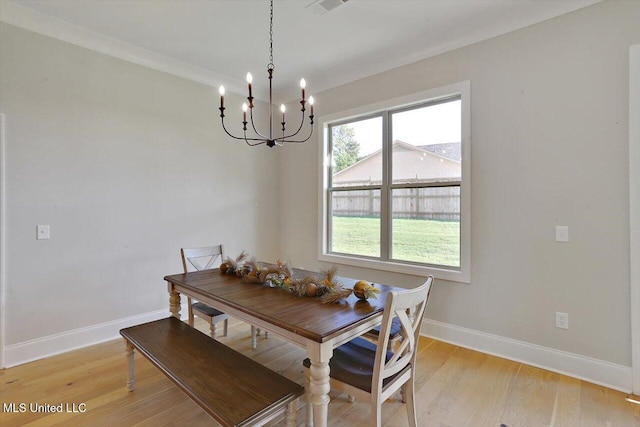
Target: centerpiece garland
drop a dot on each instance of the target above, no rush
(325, 286)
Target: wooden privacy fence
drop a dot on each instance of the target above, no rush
(438, 203)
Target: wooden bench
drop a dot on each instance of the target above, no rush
(232, 388)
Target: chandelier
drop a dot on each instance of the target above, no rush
(271, 139)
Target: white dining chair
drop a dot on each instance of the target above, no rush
(372, 373)
(395, 337)
(205, 258)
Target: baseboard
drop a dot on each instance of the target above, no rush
(617, 377)
(607, 374)
(28, 351)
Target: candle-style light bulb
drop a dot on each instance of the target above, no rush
(221, 90)
(303, 84)
(249, 81)
(244, 115)
(311, 104)
(283, 108)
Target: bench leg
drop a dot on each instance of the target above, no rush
(213, 330)
(291, 414)
(254, 340)
(131, 381)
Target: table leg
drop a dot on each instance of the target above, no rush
(131, 381)
(319, 354)
(174, 302)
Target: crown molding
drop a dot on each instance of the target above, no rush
(31, 20)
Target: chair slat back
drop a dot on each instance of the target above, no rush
(409, 307)
(205, 258)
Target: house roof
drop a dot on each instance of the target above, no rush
(444, 152)
(450, 150)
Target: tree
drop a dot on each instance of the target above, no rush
(346, 148)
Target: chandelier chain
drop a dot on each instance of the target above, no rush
(271, 66)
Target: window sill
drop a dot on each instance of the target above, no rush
(398, 267)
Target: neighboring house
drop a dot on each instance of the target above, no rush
(437, 162)
(410, 164)
(450, 150)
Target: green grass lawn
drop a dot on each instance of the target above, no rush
(418, 240)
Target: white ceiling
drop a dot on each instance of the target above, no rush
(218, 41)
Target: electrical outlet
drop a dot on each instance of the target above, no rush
(562, 320)
(42, 232)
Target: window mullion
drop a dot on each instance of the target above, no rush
(385, 197)
(328, 194)
(435, 184)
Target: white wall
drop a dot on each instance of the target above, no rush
(127, 165)
(549, 132)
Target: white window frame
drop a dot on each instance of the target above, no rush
(461, 274)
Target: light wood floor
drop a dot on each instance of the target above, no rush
(455, 387)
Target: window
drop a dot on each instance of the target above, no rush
(395, 190)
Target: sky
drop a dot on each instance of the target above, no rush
(433, 124)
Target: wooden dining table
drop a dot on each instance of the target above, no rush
(304, 321)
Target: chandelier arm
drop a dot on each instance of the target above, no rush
(297, 131)
(228, 133)
(261, 141)
(253, 125)
(297, 141)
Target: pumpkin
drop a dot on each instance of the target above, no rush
(311, 289)
(363, 290)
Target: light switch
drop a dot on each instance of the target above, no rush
(562, 233)
(42, 232)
